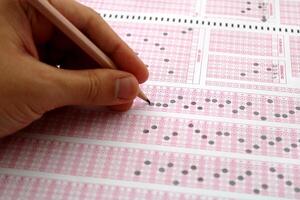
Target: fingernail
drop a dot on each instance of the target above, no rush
(126, 88)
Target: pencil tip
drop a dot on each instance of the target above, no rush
(148, 101)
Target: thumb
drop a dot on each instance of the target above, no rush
(94, 87)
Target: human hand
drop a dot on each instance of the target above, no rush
(31, 46)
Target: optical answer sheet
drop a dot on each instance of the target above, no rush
(224, 122)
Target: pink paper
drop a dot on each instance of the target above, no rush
(224, 122)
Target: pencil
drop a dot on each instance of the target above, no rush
(54, 16)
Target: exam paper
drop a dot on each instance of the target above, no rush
(224, 122)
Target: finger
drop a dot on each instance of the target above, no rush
(97, 87)
(103, 36)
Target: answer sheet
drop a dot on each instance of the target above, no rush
(224, 122)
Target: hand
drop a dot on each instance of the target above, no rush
(29, 48)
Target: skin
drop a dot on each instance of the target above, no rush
(30, 47)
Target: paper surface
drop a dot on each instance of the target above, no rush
(224, 123)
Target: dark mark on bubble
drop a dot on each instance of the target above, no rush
(241, 140)
(170, 164)
(263, 137)
(161, 169)
(232, 183)
(137, 173)
(271, 143)
(280, 176)
(166, 138)
(272, 169)
(154, 127)
(175, 182)
(147, 162)
(193, 167)
(145, 131)
(184, 172)
(277, 115)
(197, 131)
(256, 191)
(216, 175)
(263, 118)
(242, 107)
(256, 113)
(200, 179)
(248, 151)
(219, 133)
(248, 173)
(292, 112)
(224, 170)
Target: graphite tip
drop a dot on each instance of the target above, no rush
(148, 101)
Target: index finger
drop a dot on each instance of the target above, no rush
(96, 29)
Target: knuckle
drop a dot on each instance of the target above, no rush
(92, 11)
(94, 90)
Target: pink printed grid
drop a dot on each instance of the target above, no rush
(256, 10)
(239, 42)
(166, 131)
(242, 69)
(169, 51)
(30, 188)
(289, 12)
(177, 169)
(217, 103)
(177, 7)
(295, 55)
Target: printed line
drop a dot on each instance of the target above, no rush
(147, 186)
(164, 148)
(239, 90)
(212, 22)
(215, 119)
